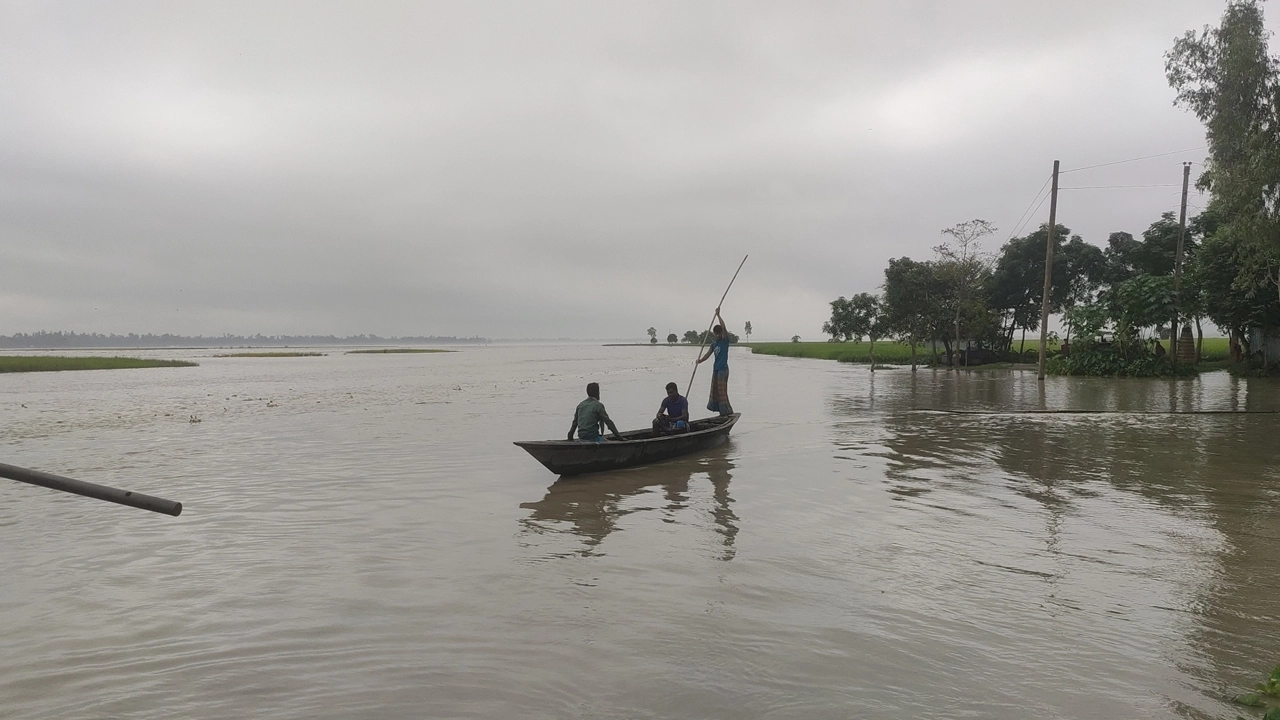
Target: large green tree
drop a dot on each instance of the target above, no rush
(1016, 285)
(962, 270)
(1119, 257)
(1230, 289)
(1136, 281)
(840, 326)
(866, 317)
(856, 317)
(1127, 258)
(912, 304)
(1228, 78)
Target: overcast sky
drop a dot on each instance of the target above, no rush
(550, 169)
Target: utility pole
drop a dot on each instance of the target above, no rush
(1048, 269)
(1177, 267)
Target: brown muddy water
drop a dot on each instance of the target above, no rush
(361, 540)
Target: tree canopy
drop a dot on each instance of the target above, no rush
(1227, 77)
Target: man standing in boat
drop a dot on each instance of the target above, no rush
(719, 401)
(673, 416)
(588, 417)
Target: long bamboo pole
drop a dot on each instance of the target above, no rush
(99, 492)
(707, 335)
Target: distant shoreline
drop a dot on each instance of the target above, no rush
(135, 348)
(169, 341)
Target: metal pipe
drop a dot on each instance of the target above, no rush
(99, 492)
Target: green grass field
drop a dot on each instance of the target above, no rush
(886, 352)
(272, 354)
(1215, 349)
(395, 350)
(53, 363)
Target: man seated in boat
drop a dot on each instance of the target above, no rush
(588, 417)
(673, 415)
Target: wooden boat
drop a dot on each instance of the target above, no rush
(637, 447)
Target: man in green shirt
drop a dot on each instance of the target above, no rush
(588, 417)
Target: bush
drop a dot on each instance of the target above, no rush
(1103, 363)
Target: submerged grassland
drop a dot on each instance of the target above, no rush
(53, 363)
(396, 350)
(272, 354)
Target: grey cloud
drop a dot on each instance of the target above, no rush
(549, 169)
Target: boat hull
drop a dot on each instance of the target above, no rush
(638, 447)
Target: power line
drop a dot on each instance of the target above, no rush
(1144, 157)
(1024, 216)
(1033, 214)
(1106, 187)
(1029, 212)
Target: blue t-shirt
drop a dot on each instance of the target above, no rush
(720, 349)
(675, 406)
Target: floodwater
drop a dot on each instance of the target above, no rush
(361, 540)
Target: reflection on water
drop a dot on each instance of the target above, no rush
(593, 506)
(1202, 566)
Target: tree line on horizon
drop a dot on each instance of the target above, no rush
(693, 336)
(60, 339)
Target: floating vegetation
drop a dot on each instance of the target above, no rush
(52, 363)
(273, 354)
(385, 351)
(1272, 685)
(1267, 696)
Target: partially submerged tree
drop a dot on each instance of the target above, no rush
(865, 318)
(911, 304)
